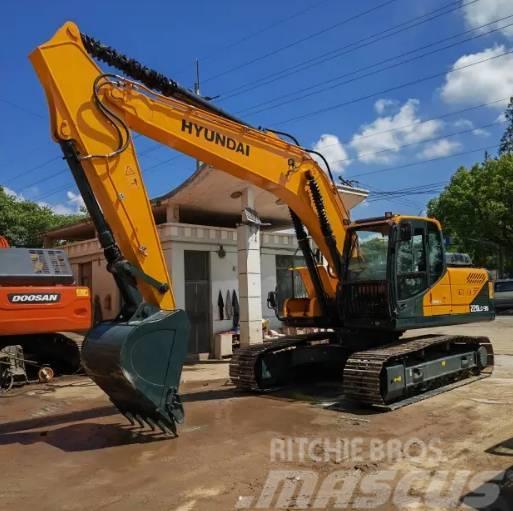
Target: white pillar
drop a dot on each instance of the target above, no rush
(248, 245)
(172, 213)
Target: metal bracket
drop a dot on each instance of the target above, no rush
(250, 217)
(132, 270)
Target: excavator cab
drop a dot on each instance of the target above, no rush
(396, 278)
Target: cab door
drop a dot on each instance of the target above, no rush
(411, 272)
(438, 300)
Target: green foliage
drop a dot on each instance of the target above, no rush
(24, 223)
(476, 209)
(506, 145)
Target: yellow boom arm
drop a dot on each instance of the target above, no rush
(98, 111)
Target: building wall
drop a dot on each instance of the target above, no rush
(103, 285)
(176, 239)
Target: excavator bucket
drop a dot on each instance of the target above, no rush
(138, 364)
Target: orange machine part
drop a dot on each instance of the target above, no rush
(3, 242)
(71, 312)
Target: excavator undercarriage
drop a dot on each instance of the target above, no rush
(386, 377)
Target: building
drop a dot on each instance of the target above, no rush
(209, 253)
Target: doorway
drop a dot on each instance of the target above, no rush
(197, 299)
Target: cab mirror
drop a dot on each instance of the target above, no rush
(272, 302)
(405, 231)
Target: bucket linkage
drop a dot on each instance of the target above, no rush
(137, 358)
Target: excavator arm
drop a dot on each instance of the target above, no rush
(97, 111)
(137, 358)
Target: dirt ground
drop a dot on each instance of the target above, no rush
(63, 447)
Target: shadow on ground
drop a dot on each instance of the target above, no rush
(495, 493)
(83, 437)
(55, 420)
(327, 395)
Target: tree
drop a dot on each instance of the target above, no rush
(476, 209)
(24, 223)
(506, 145)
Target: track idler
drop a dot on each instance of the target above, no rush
(138, 364)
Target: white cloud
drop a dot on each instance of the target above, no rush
(71, 206)
(333, 150)
(482, 83)
(466, 124)
(486, 11)
(479, 132)
(440, 148)
(384, 104)
(463, 124)
(75, 199)
(59, 208)
(501, 117)
(13, 194)
(381, 140)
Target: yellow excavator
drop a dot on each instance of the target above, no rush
(378, 277)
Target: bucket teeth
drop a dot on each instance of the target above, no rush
(139, 420)
(130, 418)
(151, 423)
(165, 426)
(166, 429)
(155, 423)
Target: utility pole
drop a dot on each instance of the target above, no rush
(198, 93)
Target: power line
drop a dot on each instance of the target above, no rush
(158, 146)
(378, 195)
(22, 108)
(365, 68)
(153, 167)
(411, 190)
(419, 123)
(64, 170)
(214, 55)
(53, 192)
(40, 197)
(347, 48)
(33, 169)
(425, 141)
(301, 40)
(297, 42)
(399, 200)
(413, 164)
(371, 135)
(390, 89)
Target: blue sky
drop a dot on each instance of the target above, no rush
(372, 84)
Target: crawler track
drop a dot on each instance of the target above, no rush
(246, 362)
(59, 351)
(363, 371)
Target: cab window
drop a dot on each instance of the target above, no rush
(369, 254)
(435, 252)
(411, 265)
